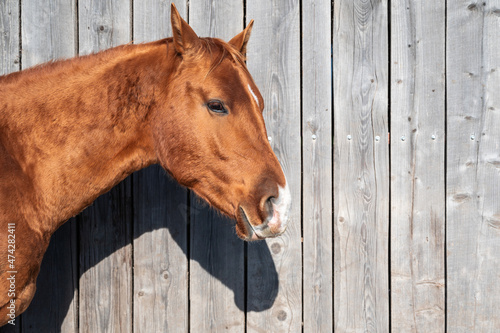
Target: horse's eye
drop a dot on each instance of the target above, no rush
(217, 107)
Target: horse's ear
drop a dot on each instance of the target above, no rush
(184, 36)
(240, 41)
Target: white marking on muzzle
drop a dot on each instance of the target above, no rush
(281, 208)
(277, 223)
(253, 94)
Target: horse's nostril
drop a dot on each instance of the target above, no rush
(268, 206)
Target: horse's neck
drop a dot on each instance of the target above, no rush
(78, 129)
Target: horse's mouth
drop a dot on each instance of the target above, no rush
(254, 233)
(251, 233)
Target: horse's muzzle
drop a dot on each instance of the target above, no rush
(277, 221)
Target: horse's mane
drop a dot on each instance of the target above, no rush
(216, 48)
(63, 64)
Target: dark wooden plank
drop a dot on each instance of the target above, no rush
(106, 262)
(106, 226)
(317, 166)
(473, 161)
(361, 170)
(55, 305)
(216, 273)
(160, 253)
(160, 216)
(48, 33)
(274, 62)
(217, 255)
(417, 166)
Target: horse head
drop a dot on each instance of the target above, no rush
(210, 133)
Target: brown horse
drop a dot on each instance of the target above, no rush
(71, 130)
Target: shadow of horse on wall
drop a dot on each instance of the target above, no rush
(187, 221)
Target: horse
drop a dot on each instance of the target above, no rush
(70, 130)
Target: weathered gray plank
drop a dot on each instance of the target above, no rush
(361, 178)
(9, 36)
(152, 19)
(48, 33)
(106, 227)
(160, 217)
(473, 160)
(317, 167)
(103, 24)
(217, 261)
(274, 62)
(417, 168)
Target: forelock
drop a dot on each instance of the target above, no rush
(218, 50)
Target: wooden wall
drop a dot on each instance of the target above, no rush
(386, 119)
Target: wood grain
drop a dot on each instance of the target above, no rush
(9, 36)
(150, 262)
(361, 173)
(417, 168)
(317, 167)
(48, 33)
(274, 62)
(152, 19)
(217, 255)
(473, 160)
(103, 24)
(106, 226)
(160, 217)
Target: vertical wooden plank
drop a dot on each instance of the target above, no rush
(160, 248)
(417, 166)
(48, 32)
(106, 263)
(9, 36)
(274, 62)
(473, 162)
(106, 227)
(160, 217)
(217, 255)
(152, 19)
(361, 183)
(103, 24)
(317, 166)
